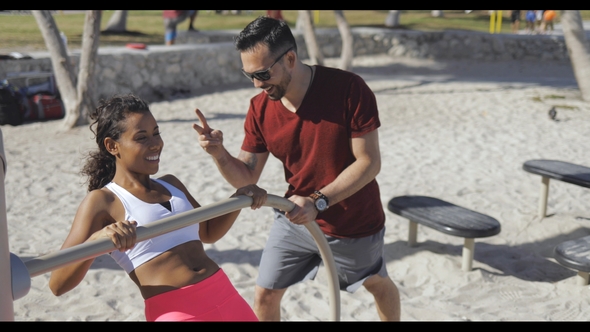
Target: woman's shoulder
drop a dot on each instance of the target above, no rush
(103, 193)
(100, 207)
(99, 200)
(173, 180)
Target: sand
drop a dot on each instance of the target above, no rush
(456, 130)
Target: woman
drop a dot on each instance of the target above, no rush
(176, 278)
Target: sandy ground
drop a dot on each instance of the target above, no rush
(459, 131)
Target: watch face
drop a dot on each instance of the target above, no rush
(320, 204)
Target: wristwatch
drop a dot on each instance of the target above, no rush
(320, 201)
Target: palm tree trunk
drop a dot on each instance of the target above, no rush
(86, 88)
(578, 49)
(77, 97)
(117, 22)
(313, 49)
(347, 41)
(392, 19)
(62, 67)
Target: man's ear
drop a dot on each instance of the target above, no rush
(291, 58)
(111, 145)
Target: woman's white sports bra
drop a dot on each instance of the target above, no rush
(145, 213)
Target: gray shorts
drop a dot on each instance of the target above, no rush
(291, 255)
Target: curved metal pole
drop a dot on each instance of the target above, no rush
(6, 307)
(88, 250)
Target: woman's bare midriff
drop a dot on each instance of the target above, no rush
(183, 265)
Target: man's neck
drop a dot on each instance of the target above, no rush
(300, 82)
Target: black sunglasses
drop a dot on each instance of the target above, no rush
(264, 75)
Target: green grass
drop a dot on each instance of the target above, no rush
(567, 107)
(548, 97)
(21, 33)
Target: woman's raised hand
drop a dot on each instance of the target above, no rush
(258, 195)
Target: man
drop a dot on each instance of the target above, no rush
(548, 17)
(322, 124)
(515, 20)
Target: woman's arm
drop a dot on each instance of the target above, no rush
(214, 229)
(93, 220)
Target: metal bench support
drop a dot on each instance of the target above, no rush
(413, 234)
(583, 278)
(544, 195)
(468, 251)
(468, 246)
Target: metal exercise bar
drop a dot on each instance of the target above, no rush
(88, 250)
(6, 308)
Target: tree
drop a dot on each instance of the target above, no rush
(347, 41)
(313, 49)
(578, 49)
(392, 19)
(117, 22)
(77, 94)
(315, 54)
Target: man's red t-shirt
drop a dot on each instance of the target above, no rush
(314, 145)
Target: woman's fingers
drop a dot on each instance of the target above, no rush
(123, 234)
(258, 195)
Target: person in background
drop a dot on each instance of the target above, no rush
(539, 20)
(174, 17)
(515, 20)
(548, 19)
(530, 21)
(276, 14)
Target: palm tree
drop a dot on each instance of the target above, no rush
(313, 49)
(392, 19)
(578, 49)
(315, 54)
(76, 93)
(117, 22)
(347, 41)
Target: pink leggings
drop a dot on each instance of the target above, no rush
(213, 299)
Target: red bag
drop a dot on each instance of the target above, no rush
(46, 107)
(29, 109)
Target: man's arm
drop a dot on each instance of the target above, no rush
(240, 171)
(362, 171)
(243, 170)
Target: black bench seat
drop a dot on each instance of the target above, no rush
(558, 170)
(575, 254)
(446, 218)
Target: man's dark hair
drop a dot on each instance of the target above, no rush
(273, 33)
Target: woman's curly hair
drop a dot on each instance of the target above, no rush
(108, 121)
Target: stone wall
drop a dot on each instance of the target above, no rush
(208, 58)
(436, 45)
